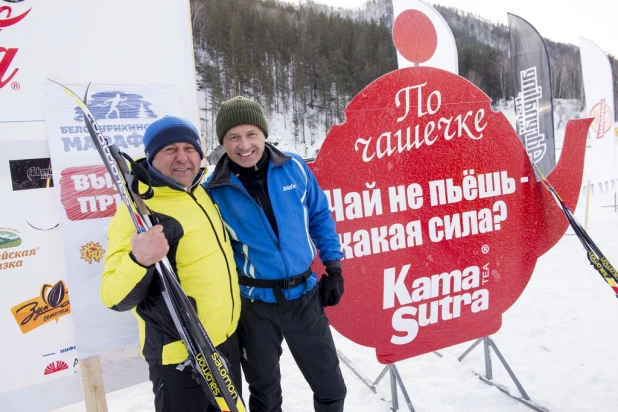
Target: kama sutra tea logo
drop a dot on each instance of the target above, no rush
(50, 305)
(91, 251)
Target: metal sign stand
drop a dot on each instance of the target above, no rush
(395, 380)
(488, 344)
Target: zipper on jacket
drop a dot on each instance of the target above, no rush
(227, 263)
(245, 193)
(277, 243)
(220, 217)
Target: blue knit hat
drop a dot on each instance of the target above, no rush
(168, 130)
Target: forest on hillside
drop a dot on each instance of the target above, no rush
(306, 62)
(298, 62)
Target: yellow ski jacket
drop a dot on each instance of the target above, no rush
(202, 257)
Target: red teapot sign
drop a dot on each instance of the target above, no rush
(439, 213)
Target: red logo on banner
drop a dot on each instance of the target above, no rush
(87, 192)
(439, 212)
(6, 57)
(603, 119)
(7, 20)
(8, 54)
(54, 367)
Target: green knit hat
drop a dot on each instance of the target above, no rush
(237, 111)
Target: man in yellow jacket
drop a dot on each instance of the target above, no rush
(191, 233)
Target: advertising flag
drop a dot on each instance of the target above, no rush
(422, 36)
(598, 86)
(534, 116)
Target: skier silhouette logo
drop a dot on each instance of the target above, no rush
(113, 105)
(117, 105)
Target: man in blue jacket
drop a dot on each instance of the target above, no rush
(278, 217)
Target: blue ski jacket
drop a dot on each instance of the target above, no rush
(303, 219)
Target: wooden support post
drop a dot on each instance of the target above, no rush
(92, 384)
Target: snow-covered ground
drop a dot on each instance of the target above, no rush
(558, 338)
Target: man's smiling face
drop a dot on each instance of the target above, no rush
(244, 144)
(179, 162)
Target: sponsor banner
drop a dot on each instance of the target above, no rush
(534, 114)
(600, 169)
(433, 201)
(80, 51)
(423, 37)
(87, 198)
(31, 256)
(123, 112)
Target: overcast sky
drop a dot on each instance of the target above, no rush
(563, 21)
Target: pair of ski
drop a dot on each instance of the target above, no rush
(203, 356)
(595, 256)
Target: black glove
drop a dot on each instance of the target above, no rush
(201, 379)
(331, 286)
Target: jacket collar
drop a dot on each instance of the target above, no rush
(223, 169)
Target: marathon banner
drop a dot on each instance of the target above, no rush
(534, 114)
(600, 168)
(87, 198)
(433, 200)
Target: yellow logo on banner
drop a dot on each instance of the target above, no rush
(51, 305)
(92, 251)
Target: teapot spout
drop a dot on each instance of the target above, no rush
(566, 178)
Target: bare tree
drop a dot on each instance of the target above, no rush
(199, 22)
(501, 68)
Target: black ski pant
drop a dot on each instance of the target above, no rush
(178, 391)
(306, 330)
